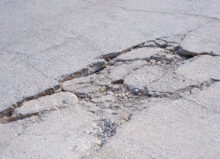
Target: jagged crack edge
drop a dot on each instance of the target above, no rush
(91, 69)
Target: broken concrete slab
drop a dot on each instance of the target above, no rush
(68, 37)
(146, 75)
(129, 76)
(120, 72)
(111, 104)
(156, 78)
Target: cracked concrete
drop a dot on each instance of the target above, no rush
(121, 86)
(168, 129)
(69, 90)
(12, 66)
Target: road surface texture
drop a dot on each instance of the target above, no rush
(107, 79)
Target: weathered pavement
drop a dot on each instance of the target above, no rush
(108, 79)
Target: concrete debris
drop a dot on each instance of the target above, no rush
(112, 91)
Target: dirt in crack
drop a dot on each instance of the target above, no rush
(111, 90)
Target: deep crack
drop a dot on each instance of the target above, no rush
(122, 92)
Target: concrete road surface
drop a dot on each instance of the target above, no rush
(109, 79)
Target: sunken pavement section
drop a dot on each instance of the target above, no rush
(152, 100)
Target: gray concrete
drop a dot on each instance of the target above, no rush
(61, 37)
(177, 129)
(19, 79)
(67, 139)
(149, 99)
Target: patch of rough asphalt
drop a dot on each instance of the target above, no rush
(111, 91)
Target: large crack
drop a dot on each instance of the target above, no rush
(96, 67)
(8, 112)
(125, 99)
(120, 99)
